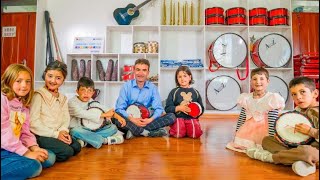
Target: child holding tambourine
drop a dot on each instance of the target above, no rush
(186, 103)
(303, 158)
(259, 110)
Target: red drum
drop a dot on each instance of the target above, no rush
(285, 129)
(214, 20)
(138, 111)
(278, 85)
(278, 12)
(196, 109)
(222, 93)
(236, 20)
(278, 21)
(228, 50)
(127, 77)
(91, 125)
(258, 20)
(236, 11)
(273, 50)
(128, 68)
(214, 11)
(260, 11)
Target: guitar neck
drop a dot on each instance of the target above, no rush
(142, 4)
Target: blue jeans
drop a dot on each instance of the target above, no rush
(96, 138)
(14, 166)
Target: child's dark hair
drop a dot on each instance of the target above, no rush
(9, 77)
(260, 70)
(142, 61)
(309, 83)
(185, 69)
(85, 82)
(56, 65)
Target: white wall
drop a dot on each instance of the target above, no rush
(74, 18)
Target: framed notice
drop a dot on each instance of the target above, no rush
(88, 45)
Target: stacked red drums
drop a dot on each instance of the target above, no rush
(214, 15)
(236, 16)
(258, 16)
(278, 16)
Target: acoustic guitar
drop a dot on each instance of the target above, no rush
(123, 16)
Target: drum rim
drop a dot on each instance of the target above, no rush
(245, 46)
(285, 141)
(209, 84)
(284, 83)
(259, 52)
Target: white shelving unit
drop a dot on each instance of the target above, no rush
(175, 42)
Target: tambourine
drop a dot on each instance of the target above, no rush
(222, 93)
(94, 126)
(278, 21)
(138, 111)
(278, 85)
(236, 11)
(214, 11)
(236, 20)
(196, 109)
(215, 20)
(259, 11)
(258, 20)
(278, 12)
(285, 129)
(273, 50)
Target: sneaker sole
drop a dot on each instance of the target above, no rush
(303, 169)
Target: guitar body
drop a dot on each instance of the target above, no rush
(123, 16)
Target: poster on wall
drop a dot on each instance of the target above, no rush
(88, 45)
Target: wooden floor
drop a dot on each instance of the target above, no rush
(171, 158)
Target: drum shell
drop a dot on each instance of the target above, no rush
(127, 77)
(278, 12)
(128, 68)
(215, 11)
(258, 20)
(215, 20)
(236, 20)
(236, 11)
(259, 11)
(276, 21)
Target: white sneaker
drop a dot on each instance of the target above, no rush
(115, 139)
(82, 143)
(259, 154)
(302, 168)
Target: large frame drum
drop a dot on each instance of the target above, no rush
(278, 85)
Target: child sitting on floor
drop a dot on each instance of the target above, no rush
(82, 116)
(304, 158)
(259, 111)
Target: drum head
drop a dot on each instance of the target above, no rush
(230, 50)
(223, 92)
(195, 109)
(285, 128)
(274, 50)
(134, 111)
(277, 85)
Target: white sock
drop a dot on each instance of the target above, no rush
(302, 168)
(145, 133)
